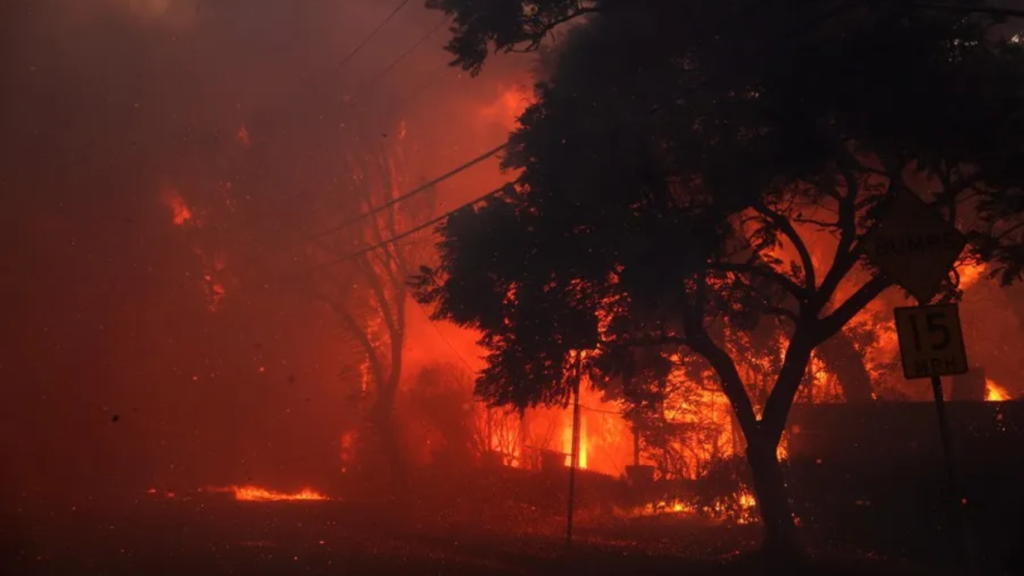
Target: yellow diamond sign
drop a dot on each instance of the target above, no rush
(914, 245)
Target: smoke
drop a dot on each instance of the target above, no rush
(114, 375)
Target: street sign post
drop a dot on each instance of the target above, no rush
(914, 245)
(931, 341)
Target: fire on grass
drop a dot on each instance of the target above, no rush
(249, 493)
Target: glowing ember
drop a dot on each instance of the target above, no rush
(995, 393)
(213, 266)
(257, 494)
(164, 493)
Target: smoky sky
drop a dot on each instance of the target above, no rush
(114, 374)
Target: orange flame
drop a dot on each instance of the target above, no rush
(180, 212)
(567, 441)
(257, 494)
(995, 393)
(509, 106)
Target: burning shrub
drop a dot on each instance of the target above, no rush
(725, 492)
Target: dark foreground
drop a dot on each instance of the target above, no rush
(224, 537)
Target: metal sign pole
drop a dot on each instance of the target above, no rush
(574, 455)
(947, 449)
(915, 246)
(955, 496)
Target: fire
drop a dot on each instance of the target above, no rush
(180, 212)
(694, 405)
(995, 393)
(969, 273)
(243, 136)
(740, 508)
(567, 442)
(249, 493)
(509, 106)
(347, 448)
(257, 494)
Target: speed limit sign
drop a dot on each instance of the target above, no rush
(931, 342)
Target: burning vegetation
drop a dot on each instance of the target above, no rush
(669, 431)
(632, 324)
(250, 494)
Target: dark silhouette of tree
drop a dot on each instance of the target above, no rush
(677, 147)
(480, 28)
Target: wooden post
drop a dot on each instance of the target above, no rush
(574, 453)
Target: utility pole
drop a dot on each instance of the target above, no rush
(574, 455)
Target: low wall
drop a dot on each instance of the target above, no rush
(873, 477)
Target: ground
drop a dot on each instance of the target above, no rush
(313, 538)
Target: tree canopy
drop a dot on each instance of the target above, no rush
(648, 159)
(521, 26)
(687, 164)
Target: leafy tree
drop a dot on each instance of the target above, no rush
(679, 148)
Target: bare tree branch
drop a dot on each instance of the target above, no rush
(845, 312)
(763, 271)
(845, 256)
(732, 382)
(357, 331)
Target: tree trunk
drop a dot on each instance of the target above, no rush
(387, 432)
(781, 541)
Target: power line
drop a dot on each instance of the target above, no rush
(362, 251)
(350, 221)
(445, 339)
(415, 94)
(370, 37)
(415, 191)
(419, 92)
(406, 54)
(410, 98)
(423, 88)
(378, 209)
(406, 234)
